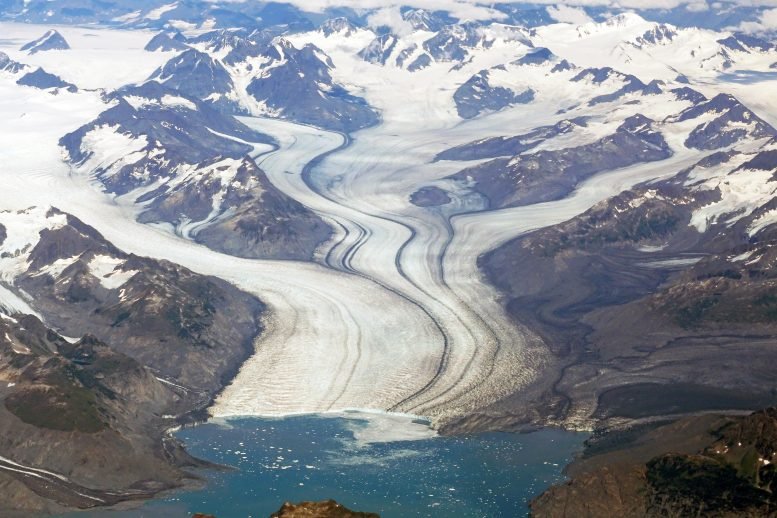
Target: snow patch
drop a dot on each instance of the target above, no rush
(106, 269)
(55, 269)
(107, 148)
(157, 13)
(23, 233)
(168, 100)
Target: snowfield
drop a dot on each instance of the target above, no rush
(395, 315)
(98, 58)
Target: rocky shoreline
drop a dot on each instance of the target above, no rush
(711, 465)
(85, 423)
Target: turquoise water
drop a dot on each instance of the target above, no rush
(321, 457)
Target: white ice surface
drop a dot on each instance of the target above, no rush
(400, 319)
(98, 57)
(11, 303)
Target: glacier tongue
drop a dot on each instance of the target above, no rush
(396, 316)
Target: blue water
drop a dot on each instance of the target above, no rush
(320, 457)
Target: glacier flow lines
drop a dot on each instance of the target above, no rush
(468, 356)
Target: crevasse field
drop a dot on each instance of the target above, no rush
(397, 317)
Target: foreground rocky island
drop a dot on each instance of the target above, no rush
(325, 509)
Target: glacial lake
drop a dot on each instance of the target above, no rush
(391, 465)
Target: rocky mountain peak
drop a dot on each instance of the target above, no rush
(9, 65)
(658, 35)
(424, 20)
(379, 50)
(51, 40)
(340, 25)
(536, 57)
(165, 42)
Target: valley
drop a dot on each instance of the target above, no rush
(489, 226)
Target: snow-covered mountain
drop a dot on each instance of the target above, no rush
(225, 13)
(449, 214)
(252, 72)
(51, 40)
(188, 165)
(165, 42)
(425, 20)
(297, 84)
(50, 258)
(197, 74)
(33, 77)
(147, 333)
(8, 65)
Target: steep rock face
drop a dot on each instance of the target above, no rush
(162, 130)
(85, 420)
(164, 42)
(628, 84)
(9, 65)
(51, 40)
(235, 45)
(731, 284)
(338, 26)
(664, 291)
(192, 329)
(262, 221)
(509, 146)
(242, 71)
(477, 95)
(73, 387)
(689, 94)
(747, 43)
(39, 78)
(727, 121)
(548, 175)
(81, 422)
(452, 42)
(379, 49)
(297, 85)
(405, 54)
(659, 35)
(455, 45)
(536, 57)
(418, 63)
(425, 20)
(196, 74)
(188, 164)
